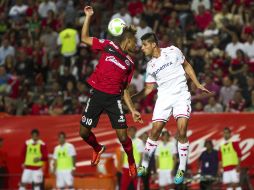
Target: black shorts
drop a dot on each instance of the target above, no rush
(99, 102)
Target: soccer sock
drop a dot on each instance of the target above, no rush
(22, 188)
(127, 146)
(183, 150)
(238, 188)
(230, 188)
(92, 141)
(37, 187)
(149, 150)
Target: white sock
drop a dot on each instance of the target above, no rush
(183, 151)
(22, 188)
(230, 188)
(148, 152)
(238, 188)
(37, 187)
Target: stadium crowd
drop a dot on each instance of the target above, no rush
(41, 75)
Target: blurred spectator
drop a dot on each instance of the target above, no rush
(57, 106)
(223, 15)
(233, 46)
(238, 64)
(5, 50)
(142, 29)
(138, 80)
(248, 90)
(40, 106)
(135, 7)
(138, 149)
(17, 10)
(64, 163)
(208, 164)
(45, 6)
(249, 47)
(251, 107)
(227, 91)
(165, 156)
(237, 104)
(203, 18)
(68, 41)
(34, 153)
(3, 167)
(230, 161)
(213, 106)
(123, 14)
(196, 3)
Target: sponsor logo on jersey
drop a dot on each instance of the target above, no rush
(161, 68)
(101, 41)
(113, 60)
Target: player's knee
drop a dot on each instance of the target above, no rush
(83, 133)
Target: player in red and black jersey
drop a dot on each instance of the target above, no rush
(109, 81)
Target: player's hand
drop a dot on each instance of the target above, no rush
(203, 89)
(37, 160)
(136, 116)
(88, 10)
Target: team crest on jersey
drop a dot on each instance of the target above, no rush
(101, 41)
(127, 62)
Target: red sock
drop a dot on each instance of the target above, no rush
(92, 141)
(127, 146)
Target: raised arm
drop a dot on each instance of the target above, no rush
(85, 38)
(143, 93)
(191, 73)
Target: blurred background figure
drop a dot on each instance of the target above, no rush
(64, 163)
(208, 164)
(165, 156)
(34, 154)
(229, 161)
(128, 182)
(3, 167)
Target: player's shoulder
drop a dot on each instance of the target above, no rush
(31, 141)
(171, 49)
(69, 145)
(102, 41)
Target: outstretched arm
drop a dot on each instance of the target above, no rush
(190, 72)
(143, 93)
(85, 38)
(135, 114)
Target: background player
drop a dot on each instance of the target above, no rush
(167, 68)
(109, 80)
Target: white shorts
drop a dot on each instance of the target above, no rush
(63, 179)
(178, 105)
(231, 176)
(32, 176)
(165, 177)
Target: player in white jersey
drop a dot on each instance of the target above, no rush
(168, 69)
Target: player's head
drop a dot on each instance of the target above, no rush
(149, 43)
(208, 145)
(165, 136)
(227, 133)
(132, 131)
(128, 39)
(35, 134)
(61, 137)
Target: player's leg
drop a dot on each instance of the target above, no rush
(26, 178)
(37, 176)
(60, 180)
(161, 113)
(236, 179)
(181, 112)
(69, 180)
(114, 109)
(125, 179)
(88, 121)
(226, 179)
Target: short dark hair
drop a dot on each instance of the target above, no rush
(35, 131)
(62, 133)
(208, 141)
(227, 129)
(150, 37)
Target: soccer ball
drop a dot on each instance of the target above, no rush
(115, 26)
